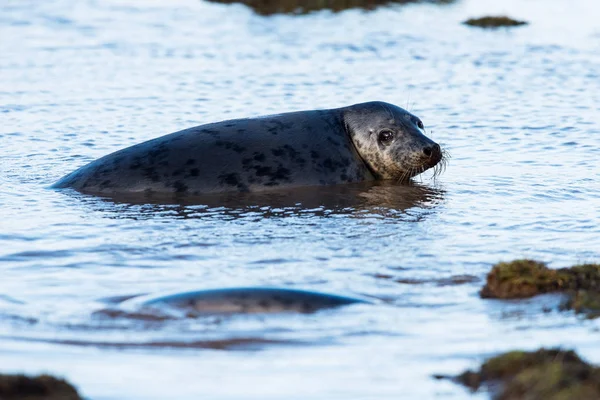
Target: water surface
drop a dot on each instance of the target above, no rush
(518, 110)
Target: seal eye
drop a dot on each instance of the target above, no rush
(386, 137)
(420, 124)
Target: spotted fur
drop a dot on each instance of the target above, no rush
(243, 300)
(320, 147)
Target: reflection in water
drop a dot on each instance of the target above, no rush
(372, 198)
(268, 7)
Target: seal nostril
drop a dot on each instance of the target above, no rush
(427, 151)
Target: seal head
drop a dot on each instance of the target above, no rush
(390, 140)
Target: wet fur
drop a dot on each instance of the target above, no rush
(319, 147)
(404, 157)
(247, 300)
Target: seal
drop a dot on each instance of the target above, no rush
(240, 300)
(362, 142)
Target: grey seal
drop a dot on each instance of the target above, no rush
(362, 142)
(237, 300)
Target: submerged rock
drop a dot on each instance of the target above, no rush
(452, 280)
(528, 278)
(268, 7)
(494, 22)
(545, 374)
(42, 387)
(584, 301)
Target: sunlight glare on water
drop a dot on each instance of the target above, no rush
(518, 111)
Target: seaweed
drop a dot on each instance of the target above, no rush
(527, 278)
(494, 22)
(548, 374)
(270, 7)
(42, 387)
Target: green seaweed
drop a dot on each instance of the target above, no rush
(42, 387)
(527, 278)
(548, 374)
(494, 22)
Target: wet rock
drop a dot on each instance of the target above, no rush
(545, 374)
(584, 301)
(42, 387)
(584, 276)
(446, 281)
(528, 278)
(269, 7)
(494, 22)
(457, 280)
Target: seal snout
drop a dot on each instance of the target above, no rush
(433, 154)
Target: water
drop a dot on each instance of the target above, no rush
(518, 111)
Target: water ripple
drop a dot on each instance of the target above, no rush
(517, 110)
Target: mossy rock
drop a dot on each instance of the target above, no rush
(42, 387)
(521, 279)
(584, 276)
(545, 374)
(527, 278)
(584, 302)
(269, 7)
(494, 22)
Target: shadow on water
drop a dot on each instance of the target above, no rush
(241, 343)
(270, 7)
(373, 198)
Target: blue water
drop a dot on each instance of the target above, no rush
(518, 110)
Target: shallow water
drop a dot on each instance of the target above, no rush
(518, 110)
